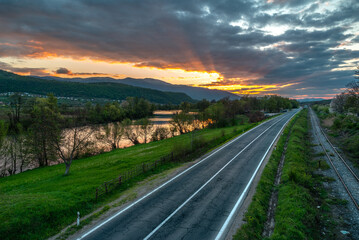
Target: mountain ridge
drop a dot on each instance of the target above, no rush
(197, 93)
(10, 82)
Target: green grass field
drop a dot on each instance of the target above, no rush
(39, 203)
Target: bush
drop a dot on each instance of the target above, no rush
(352, 146)
(256, 116)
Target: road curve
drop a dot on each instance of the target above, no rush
(199, 202)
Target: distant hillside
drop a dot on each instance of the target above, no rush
(311, 100)
(194, 92)
(10, 82)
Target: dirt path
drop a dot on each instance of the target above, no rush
(270, 223)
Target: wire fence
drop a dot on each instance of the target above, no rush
(197, 146)
(108, 186)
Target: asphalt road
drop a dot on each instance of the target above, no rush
(196, 203)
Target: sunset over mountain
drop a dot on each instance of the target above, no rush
(297, 49)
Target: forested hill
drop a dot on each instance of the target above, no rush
(10, 82)
(197, 93)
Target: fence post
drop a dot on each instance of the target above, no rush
(106, 187)
(120, 179)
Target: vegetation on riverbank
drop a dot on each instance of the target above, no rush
(38, 203)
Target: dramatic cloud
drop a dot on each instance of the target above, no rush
(24, 70)
(63, 71)
(300, 44)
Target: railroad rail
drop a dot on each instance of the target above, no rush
(331, 160)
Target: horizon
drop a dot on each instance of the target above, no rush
(296, 49)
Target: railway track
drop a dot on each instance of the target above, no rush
(344, 172)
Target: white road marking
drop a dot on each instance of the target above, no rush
(169, 181)
(226, 224)
(195, 193)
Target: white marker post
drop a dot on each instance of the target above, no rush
(78, 218)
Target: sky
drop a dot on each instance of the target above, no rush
(294, 48)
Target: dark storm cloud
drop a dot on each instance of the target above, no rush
(63, 71)
(30, 71)
(66, 71)
(192, 35)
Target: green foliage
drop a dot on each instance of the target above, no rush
(216, 112)
(352, 146)
(10, 82)
(45, 128)
(345, 130)
(276, 103)
(3, 130)
(182, 122)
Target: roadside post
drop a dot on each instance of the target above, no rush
(78, 218)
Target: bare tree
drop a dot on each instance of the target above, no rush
(338, 103)
(146, 126)
(113, 134)
(132, 132)
(71, 143)
(160, 133)
(352, 100)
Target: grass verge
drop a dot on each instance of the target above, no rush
(39, 203)
(300, 192)
(257, 211)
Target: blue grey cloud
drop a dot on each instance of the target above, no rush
(230, 37)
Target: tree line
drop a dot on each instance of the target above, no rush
(226, 112)
(39, 131)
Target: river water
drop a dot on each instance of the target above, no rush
(160, 119)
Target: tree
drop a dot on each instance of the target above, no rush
(71, 142)
(16, 102)
(131, 132)
(216, 112)
(338, 103)
(113, 134)
(182, 122)
(160, 133)
(146, 126)
(46, 124)
(352, 101)
(3, 133)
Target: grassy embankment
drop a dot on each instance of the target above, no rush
(343, 130)
(39, 203)
(296, 213)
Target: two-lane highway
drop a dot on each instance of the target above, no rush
(200, 202)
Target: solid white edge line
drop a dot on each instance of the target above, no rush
(205, 184)
(164, 184)
(226, 224)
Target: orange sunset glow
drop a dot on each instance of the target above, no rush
(207, 47)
